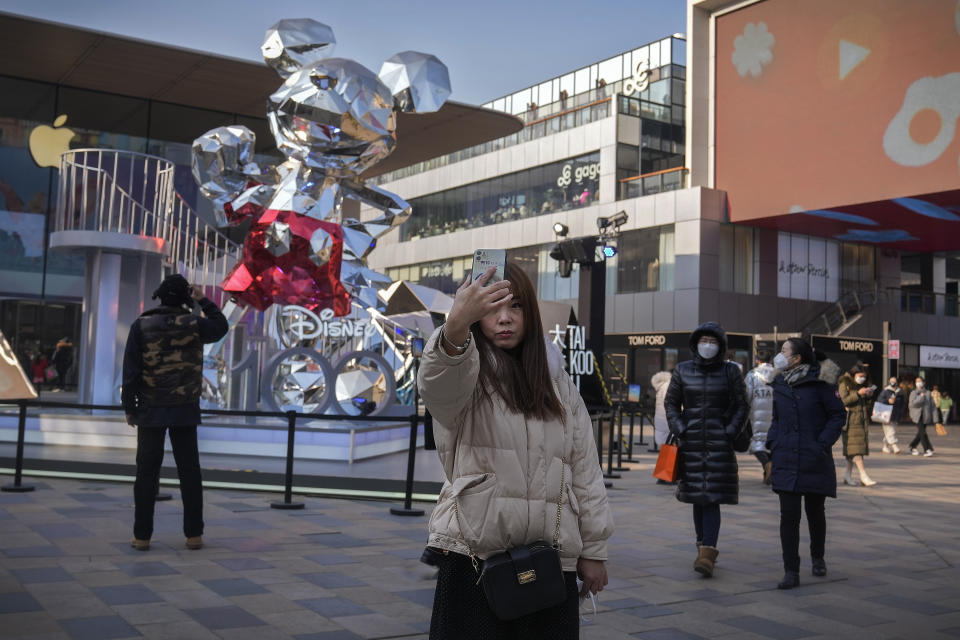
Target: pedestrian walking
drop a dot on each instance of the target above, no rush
(856, 393)
(891, 395)
(519, 459)
(946, 407)
(162, 379)
(760, 399)
(661, 430)
(922, 413)
(62, 359)
(807, 420)
(706, 405)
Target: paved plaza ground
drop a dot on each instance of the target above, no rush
(342, 569)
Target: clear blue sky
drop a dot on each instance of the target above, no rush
(492, 47)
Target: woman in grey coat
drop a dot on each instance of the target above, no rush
(921, 412)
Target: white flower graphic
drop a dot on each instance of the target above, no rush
(753, 49)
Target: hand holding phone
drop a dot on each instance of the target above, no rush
(483, 259)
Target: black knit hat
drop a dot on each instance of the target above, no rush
(174, 291)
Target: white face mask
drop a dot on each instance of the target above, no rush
(860, 379)
(708, 350)
(920, 386)
(781, 362)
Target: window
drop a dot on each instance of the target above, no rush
(736, 259)
(808, 268)
(557, 186)
(858, 266)
(644, 260)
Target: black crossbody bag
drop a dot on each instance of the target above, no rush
(525, 578)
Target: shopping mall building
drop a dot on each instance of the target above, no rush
(783, 171)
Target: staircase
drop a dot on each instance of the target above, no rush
(835, 318)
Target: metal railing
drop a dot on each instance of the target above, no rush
(927, 302)
(835, 315)
(110, 191)
(651, 183)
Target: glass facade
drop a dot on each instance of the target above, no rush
(40, 290)
(736, 259)
(558, 186)
(644, 260)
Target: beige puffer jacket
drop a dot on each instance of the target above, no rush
(504, 470)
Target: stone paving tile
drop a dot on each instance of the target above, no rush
(98, 628)
(126, 594)
(233, 587)
(329, 635)
(331, 580)
(64, 530)
(374, 625)
(177, 631)
(42, 574)
(47, 551)
(669, 633)
(243, 564)
(216, 618)
(908, 604)
(18, 602)
(420, 596)
(334, 607)
(146, 568)
(846, 615)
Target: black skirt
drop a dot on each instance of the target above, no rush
(461, 612)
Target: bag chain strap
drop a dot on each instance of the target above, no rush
(556, 532)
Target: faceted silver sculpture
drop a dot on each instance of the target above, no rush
(276, 238)
(218, 162)
(321, 246)
(418, 81)
(293, 44)
(333, 119)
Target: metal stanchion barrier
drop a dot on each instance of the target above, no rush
(609, 473)
(288, 502)
(654, 448)
(407, 509)
(18, 486)
(620, 467)
(630, 458)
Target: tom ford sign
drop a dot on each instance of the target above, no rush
(939, 357)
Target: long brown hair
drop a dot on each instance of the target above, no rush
(522, 377)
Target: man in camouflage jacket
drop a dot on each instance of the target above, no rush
(162, 379)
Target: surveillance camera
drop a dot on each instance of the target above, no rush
(560, 229)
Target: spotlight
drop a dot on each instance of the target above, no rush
(608, 251)
(616, 221)
(560, 229)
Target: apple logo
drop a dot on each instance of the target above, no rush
(47, 143)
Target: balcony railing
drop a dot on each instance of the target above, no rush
(122, 192)
(656, 182)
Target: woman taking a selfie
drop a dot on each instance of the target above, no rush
(515, 441)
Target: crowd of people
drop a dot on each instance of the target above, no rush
(523, 502)
(51, 368)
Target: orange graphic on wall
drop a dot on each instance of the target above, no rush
(822, 104)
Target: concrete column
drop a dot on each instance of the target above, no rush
(940, 281)
(101, 302)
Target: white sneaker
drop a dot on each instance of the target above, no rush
(867, 482)
(896, 449)
(886, 449)
(914, 452)
(927, 454)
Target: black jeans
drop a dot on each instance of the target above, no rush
(706, 522)
(921, 437)
(763, 457)
(149, 458)
(461, 612)
(790, 526)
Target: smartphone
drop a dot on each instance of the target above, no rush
(483, 259)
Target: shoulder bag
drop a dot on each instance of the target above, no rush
(526, 578)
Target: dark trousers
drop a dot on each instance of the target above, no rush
(706, 521)
(461, 612)
(149, 458)
(921, 437)
(763, 457)
(790, 526)
(62, 375)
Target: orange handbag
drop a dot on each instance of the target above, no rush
(668, 464)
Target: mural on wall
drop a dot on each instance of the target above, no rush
(845, 111)
(333, 119)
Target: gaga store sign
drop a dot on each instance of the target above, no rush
(939, 357)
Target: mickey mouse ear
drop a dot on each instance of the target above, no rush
(418, 81)
(290, 45)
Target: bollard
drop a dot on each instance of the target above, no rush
(18, 486)
(620, 466)
(610, 474)
(630, 458)
(288, 480)
(407, 509)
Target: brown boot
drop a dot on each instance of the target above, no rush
(194, 543)
(767, 471)
(140, 545)
(706, 561)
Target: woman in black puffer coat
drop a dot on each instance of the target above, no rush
(706, 405)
